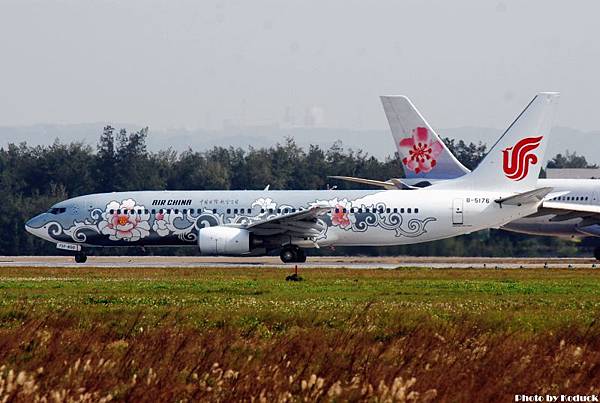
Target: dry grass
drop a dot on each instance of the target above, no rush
(190, 335)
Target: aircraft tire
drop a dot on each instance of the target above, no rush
(597, 252)
(80, 258)
(288, 254)
(301, 256)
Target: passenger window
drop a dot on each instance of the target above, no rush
(262, 210)
(416, 210)
(408, 210)
(176, 211)
(402, 210)
(146, 211)
(249, 211)
(360, 209)
(344, 210)
(241, 211)
(235, 211)
(118, 211)
(294, 210)
(184, 211)
(112, 211)
(140, 211)
(168, 211)
(214, 211)
(153, 211)
(337, 210)
(388, 210)
(278, 211)
(228, 211)
(395, 209)
(352, 209)
(270, 211)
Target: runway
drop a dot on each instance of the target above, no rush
(338, 262)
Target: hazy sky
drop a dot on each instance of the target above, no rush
(197, 63)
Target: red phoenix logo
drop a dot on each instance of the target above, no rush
(516, 159)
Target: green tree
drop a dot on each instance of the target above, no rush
(470, 155)
(569, 160)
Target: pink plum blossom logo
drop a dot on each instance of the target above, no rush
(420, 151)
(125, 221)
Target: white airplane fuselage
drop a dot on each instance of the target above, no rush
(369, 218)
(256, 222)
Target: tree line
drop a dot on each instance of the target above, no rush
(32, 178)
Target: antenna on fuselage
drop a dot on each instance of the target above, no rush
(266, 188)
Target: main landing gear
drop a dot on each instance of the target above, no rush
(292, 254)
(80, 257)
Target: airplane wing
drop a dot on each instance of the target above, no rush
(303, 223)
(567, 211)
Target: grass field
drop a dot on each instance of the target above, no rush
(241, 334)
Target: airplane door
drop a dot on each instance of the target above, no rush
(457, 212)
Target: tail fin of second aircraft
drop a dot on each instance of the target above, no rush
(424, 155)
(515, 161)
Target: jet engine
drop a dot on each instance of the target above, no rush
(220, 240)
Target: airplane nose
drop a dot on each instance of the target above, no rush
(34, 224)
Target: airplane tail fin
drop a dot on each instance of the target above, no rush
(424, 155)
(515, 161)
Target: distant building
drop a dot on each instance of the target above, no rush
(573, 173)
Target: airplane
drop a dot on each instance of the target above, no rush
(574, 212)
(250, 222)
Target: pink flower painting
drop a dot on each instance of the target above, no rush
(125, 221)
(420, 151)
(339, 217)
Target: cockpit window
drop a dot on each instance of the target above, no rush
(57, 210)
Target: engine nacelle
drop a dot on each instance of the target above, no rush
(223, 241)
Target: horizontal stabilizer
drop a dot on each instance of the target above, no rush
(532, 196)
(389, 184)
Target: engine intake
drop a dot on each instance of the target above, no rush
(223, 241)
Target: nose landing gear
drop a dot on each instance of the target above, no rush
(597, 252)
(292, 254)
(80, 257)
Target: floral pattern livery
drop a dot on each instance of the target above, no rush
(340, 215)
(420, 151)
(125, 221)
